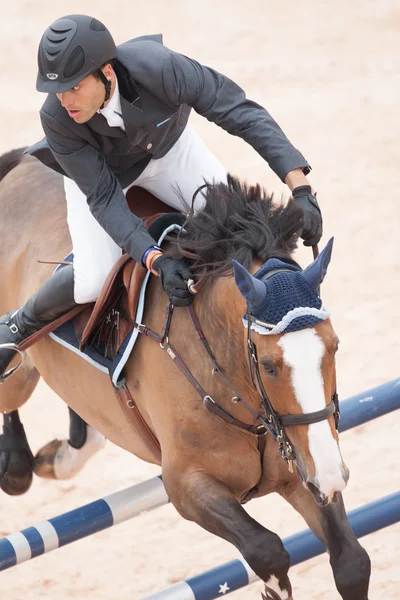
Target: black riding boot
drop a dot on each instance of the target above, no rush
(51, 301)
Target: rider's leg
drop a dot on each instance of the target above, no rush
(95, 252)
(52, 300)
(179, 173)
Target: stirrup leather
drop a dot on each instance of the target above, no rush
(11, 372)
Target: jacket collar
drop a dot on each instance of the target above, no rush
(131, 113)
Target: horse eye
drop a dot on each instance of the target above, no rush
(269, 367)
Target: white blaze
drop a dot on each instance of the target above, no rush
(303, 352)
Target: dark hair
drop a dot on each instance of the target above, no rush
(108, 62)
(238, 221)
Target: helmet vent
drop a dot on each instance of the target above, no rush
(56, 39)
(97, 25)
(74, 63)
(58, 30)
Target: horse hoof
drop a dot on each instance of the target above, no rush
(272, 595)
(60, 460)
(16, 484)
(16, 464)
(44, 460)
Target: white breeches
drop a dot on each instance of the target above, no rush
(185, 166)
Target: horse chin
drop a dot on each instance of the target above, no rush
(320, 498)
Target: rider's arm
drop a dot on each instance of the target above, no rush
(87, 167)
(223, 102)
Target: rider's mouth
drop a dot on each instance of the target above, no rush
(73, 113)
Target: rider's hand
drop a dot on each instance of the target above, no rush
(312, 230)
(173, 274)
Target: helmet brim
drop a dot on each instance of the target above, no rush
(52, 86)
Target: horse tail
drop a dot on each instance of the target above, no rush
(10, 160)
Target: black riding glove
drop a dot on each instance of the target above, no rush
(173, 274)
(312, 230)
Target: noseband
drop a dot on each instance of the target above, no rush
(264, 420)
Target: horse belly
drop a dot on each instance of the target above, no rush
(89, 392)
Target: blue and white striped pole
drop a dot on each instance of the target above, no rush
(302, 546)
(81, 522)
(126, 504)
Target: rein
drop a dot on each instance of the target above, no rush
(264, 420)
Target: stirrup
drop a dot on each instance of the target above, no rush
(10, 372)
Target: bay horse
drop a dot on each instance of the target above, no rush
(266, 419)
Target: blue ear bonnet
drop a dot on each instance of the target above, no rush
(280, 297)
(290, 303)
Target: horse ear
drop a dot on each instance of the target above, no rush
(315, 273)
(253, 290)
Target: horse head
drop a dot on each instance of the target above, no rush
(292, 347)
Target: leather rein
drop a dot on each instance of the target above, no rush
(266, 419)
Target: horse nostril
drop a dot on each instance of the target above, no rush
(320, 498)
(312, 488)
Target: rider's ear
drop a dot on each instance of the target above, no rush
(315, 273)
(253, 290)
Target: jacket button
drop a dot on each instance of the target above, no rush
(149, 146)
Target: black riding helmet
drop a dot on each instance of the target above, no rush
(72, 48)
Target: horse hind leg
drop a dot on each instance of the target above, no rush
(63, 459)
(16, 459)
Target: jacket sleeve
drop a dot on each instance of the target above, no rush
(223, 102)
(87, 167)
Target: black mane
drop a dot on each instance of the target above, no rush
(238, 221)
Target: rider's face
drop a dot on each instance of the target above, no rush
(83, 101)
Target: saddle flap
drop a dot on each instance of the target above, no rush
(109, 295)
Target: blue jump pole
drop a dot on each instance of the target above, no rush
(369, 405)
(126, 504)
(302, 546)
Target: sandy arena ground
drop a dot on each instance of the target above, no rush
(329, 74)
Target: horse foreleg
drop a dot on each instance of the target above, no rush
(16, 459)
(201, 498)
(350, 563)
(63, 459)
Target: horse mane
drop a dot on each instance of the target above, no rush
(10, 160)
(238, 221)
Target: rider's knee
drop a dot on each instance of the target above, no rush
(88, 289)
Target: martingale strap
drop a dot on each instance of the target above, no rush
(135, 418)
(208, 401)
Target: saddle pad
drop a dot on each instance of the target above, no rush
(66, 336)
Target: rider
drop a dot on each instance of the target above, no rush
(117, 116)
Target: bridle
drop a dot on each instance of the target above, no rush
(266, 419)
(273, 421)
